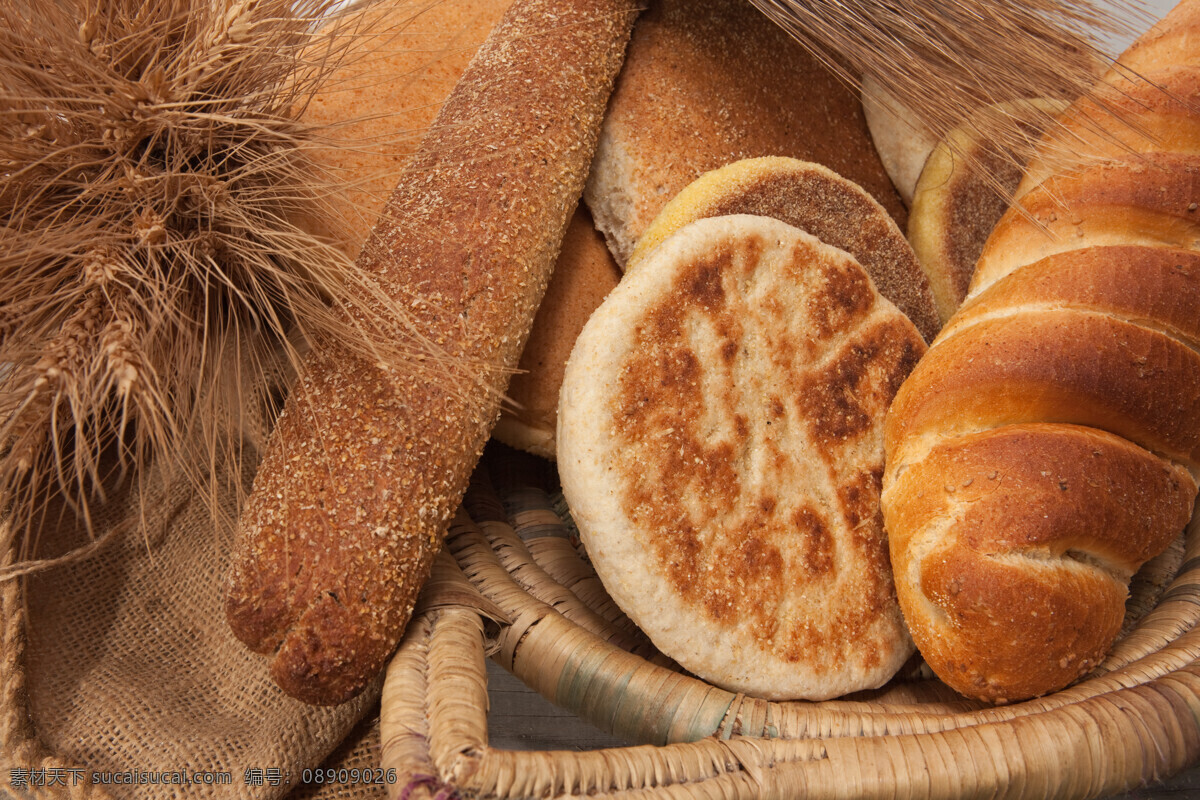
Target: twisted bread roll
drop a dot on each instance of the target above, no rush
(1048, 444)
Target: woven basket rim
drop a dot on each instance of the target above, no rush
(1136, 719)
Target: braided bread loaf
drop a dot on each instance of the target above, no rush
(1049, 442)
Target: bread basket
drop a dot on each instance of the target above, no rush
(542, 614)
(514, 584)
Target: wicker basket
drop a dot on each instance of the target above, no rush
(514, 584)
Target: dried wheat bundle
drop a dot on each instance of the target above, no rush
(154, 181)
(936, 61)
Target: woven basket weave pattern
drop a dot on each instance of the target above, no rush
(1134, 719)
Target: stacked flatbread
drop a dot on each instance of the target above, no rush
(707, 83)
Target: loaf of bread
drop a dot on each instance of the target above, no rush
(1048, 444)
(376, 107)
(710, 82)
(583, 276)
(368, 461)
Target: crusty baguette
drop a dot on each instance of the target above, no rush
(1048, 444)
(367, 464)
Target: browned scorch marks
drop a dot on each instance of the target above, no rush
(745, 426)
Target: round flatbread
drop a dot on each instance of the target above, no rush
(817, 200)
(720, 447)
(954, 207)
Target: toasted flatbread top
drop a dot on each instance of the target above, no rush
(720, 447)
(816, 200)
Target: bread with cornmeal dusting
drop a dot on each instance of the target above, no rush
(721, 448)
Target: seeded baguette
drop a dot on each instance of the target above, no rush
(366, 465)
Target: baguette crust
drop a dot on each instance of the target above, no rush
(1049, 442)
(367, 464)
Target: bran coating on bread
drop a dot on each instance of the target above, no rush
(816, 200)
(367, 463)
(380, 104)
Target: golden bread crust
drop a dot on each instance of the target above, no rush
(1155, 115)
(720, 446)
(998, 536)
(1143, 199)
(1049, 442)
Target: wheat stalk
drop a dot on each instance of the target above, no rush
(154, 172)
(945, 63)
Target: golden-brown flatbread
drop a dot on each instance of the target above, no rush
(720, 447)
(818, 201)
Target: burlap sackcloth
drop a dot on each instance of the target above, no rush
(122, 662)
